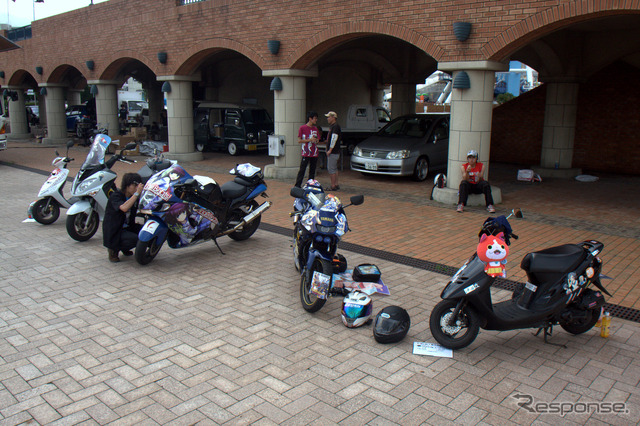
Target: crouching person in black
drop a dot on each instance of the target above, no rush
(119, 230)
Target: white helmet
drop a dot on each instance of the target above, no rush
(356, 309)
(472, 153)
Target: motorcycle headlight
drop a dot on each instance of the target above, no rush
(395, 155)
(357, 151)
(84, 186)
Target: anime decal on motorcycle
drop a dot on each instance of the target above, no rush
(184, 210)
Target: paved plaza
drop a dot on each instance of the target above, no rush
(198, 337)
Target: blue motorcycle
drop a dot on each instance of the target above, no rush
(319, 224)
(185, 210)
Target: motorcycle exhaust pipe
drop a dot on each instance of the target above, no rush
(249, 218)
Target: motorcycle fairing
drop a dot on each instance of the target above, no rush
(160, 187)
(82, 206)
(187, 221)
(257, 191)
(153, 228)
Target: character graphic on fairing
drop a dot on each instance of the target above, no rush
(493, 251)
(185, 222)
(161, 186)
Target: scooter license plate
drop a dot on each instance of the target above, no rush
(370, 165)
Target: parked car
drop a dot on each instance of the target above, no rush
(231, 127)
(410, 145)
(79, 116)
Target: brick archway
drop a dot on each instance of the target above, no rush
(193, 57)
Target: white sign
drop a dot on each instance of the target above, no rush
(431, 349)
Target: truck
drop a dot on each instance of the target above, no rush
(362, 121)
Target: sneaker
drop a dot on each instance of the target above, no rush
(460, 208)
(491, 209)
(113, 256)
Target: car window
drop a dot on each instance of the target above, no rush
(383, 116)
(412, 127)
(257, 116)
(442, 130)
(232, 118)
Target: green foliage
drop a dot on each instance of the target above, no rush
(504, 97)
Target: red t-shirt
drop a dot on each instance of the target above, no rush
(309, 149)
(474, 173)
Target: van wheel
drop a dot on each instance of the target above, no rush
(232, 148)
(200, 147)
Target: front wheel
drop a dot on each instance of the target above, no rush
(310, 302)
(421, 170)
(81, 227)
(583, 325)
(46, 211)
(458, 334)
(248, 229)
(146, 251)
(232, 148)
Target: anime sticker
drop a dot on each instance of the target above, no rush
(160, 187)
(493, 251)
(183, 220)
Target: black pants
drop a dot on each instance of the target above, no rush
(312, 162)
(129, 238)
(467, 188)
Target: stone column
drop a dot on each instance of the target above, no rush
(470, 127)
(289, 114)
(18, 115)
(180, 117)
(42, 110)
(107, 106)
(73, 97)
(156, 103)
(559, 131)
(403, 99)
(55, 116)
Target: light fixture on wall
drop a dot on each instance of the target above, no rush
(166, 87)
(462, 30)
(461, 80)
(162, 57)
(93, 89)
(274, 46)
(43, 91)
(90, 64)
(39, 70)
(276, 84)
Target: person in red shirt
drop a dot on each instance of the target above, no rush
(308, 136)
(473, 182)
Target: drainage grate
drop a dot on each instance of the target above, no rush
(618, 311)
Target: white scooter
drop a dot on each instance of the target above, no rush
(92, 186)
(46, 209)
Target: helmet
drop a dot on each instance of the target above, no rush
(356, 309)
(313, 185)
(440, 180)
(472, 153)
(391, 324)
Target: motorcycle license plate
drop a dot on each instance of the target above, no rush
(370, 165)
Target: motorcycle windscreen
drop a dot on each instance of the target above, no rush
(96, 153)
(160, 187)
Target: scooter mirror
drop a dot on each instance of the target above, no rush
(356, 200)
(69, 144)
(130, 146)
(517, 213)
(297, 192)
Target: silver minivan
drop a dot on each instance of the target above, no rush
(410, 145)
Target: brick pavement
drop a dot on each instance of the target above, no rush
(198, 337)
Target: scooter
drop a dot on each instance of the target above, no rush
(185, 210)
(557, 290)
(46, 209)
(318, 227)
(92, 186)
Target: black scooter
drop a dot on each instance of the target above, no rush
(556, 293)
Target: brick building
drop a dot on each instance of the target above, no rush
(334, 54)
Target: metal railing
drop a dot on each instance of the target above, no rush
(17, 34)
(184, 2)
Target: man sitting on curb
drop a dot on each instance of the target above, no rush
(473, 183)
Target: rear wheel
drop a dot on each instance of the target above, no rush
(46, 211)
(421, 170)
(463, 329)
(248, 229)
(583, 325)
(81, 227)
(310, 302)
(146, 251)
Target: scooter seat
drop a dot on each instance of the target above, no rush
(552, 263)
(231, 190)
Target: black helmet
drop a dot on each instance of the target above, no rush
(391, 324)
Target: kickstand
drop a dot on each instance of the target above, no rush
(217, 245)
(548, 332)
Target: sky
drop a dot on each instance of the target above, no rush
(19, 13)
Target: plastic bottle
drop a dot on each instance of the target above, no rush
(606, 323)
(599, 322)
